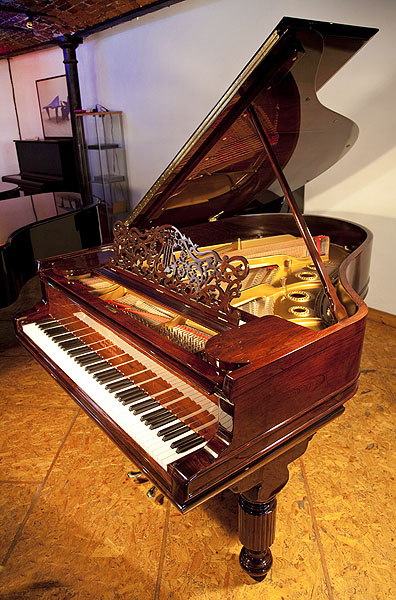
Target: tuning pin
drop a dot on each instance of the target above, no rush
(134, 474)
(160, 499)
(288, 265)
(152, 491)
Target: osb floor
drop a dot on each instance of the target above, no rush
(74, 526)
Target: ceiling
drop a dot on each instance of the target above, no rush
(26, 26)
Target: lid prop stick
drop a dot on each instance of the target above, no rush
(337, 309)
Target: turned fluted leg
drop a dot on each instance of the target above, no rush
(257, 510)
(256, 524)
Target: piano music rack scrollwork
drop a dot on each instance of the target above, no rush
(170, 259)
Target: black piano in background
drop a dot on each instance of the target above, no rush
(45, 166)
(39, 226)
(211, 354)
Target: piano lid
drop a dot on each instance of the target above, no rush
(223, 165)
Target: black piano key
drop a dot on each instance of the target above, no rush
(49, 325)
(189, 438)
(135, 389)
(189, 445)
(173, 434)
(107, 376)
(119, 385)
(159, 419)
(174, 427)
(92, 360)
(69, 344)
(59, 331)
(169, 418)
(134, 394)
(155, 415)
(130, 401)
(144, 406)
(72, 339)
(87, 359)
(83, 349)
(64, 337)
(103, 374)
(54, 331)
(46, 322)
(97, 367)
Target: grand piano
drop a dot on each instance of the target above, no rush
(38, 226)
(208, 343)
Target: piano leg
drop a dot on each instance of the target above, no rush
(257, 511)
(256, 524)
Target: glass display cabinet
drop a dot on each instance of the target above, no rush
(101, 136)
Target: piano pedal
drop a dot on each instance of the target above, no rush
(152, 491)
(139, 478)
(134, 474)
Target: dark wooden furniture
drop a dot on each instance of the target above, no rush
(45, 166)
(38, 226)
(8, 190)
(223, 328)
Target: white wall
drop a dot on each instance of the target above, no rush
(26, 70)
(8, 124)
(166, 71)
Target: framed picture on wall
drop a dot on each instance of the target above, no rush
(54, 107)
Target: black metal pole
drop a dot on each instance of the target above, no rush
(69, 44)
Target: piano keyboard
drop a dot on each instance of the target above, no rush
(159, 411)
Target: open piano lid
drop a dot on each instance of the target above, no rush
(223, 165)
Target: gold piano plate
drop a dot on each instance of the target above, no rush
(289, 287)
